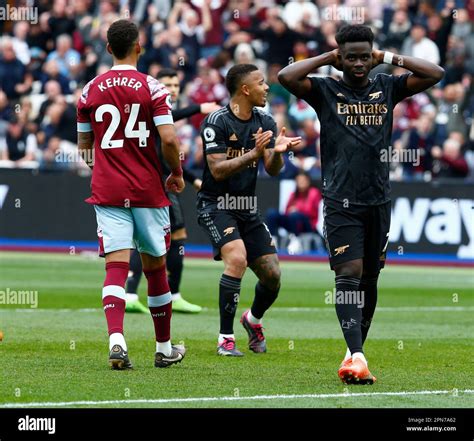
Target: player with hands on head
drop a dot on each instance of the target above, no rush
(356, 115)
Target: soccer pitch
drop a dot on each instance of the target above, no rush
(420, 345)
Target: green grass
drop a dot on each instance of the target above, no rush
(58, 352)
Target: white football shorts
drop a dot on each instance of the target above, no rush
(146, 229)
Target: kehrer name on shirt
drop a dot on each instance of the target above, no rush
(119, 81)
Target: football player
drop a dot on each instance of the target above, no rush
(356, 115)
(235, 139)
(119, 115)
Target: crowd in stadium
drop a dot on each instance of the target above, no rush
(45, 62)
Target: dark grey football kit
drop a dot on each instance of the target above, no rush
(225, 208)
(356, 129)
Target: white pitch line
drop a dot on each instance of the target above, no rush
(383, 309)
(254, 397)
(279, 309)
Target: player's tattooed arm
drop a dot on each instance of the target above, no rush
(294, 76)
(222, 168)
(273, 158)
(267, 269)
(424, 73)
(85, 145)
(273, 162)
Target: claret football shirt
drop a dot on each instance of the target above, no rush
(122, 108)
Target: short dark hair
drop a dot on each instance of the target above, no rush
(235, 76)
(354, 33)
(167, 72)
(122, 36)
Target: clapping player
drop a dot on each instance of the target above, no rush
(235, 138)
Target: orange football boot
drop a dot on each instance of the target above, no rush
(355, 372)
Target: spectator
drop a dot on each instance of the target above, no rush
(59, 155)
(297, 11)
(449, 116)
(196, 160)
(470, 152)
(96, 53)
(469, 48)
(305, 154)
(176, 54)
(222, 62)
(5, 113)
(439, 28)
(398, 30)
(187, 19)
(14, 78)
(39, 35)
(279, 40)
(157, 9)
(52, 90)
(278, 107)
(215, 35)
(50, 123)
(290, 170)
(459, 137)
(301, 214)
(206, 88)
(326, 37)
(401, 123)
(24, 113)
(420, 141)
(276, 90)
(22, 50)
(60, 21)
(244, 54)
(18, 148)
(449, 161)
(36, 64)
(300, 111)
(51, 73)
(83, 19)
(244, 19)
(462, 27)
(418, 45)
(66, 128)
(235, 37)
(67, 58)
(455, 70)
(268, 33)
